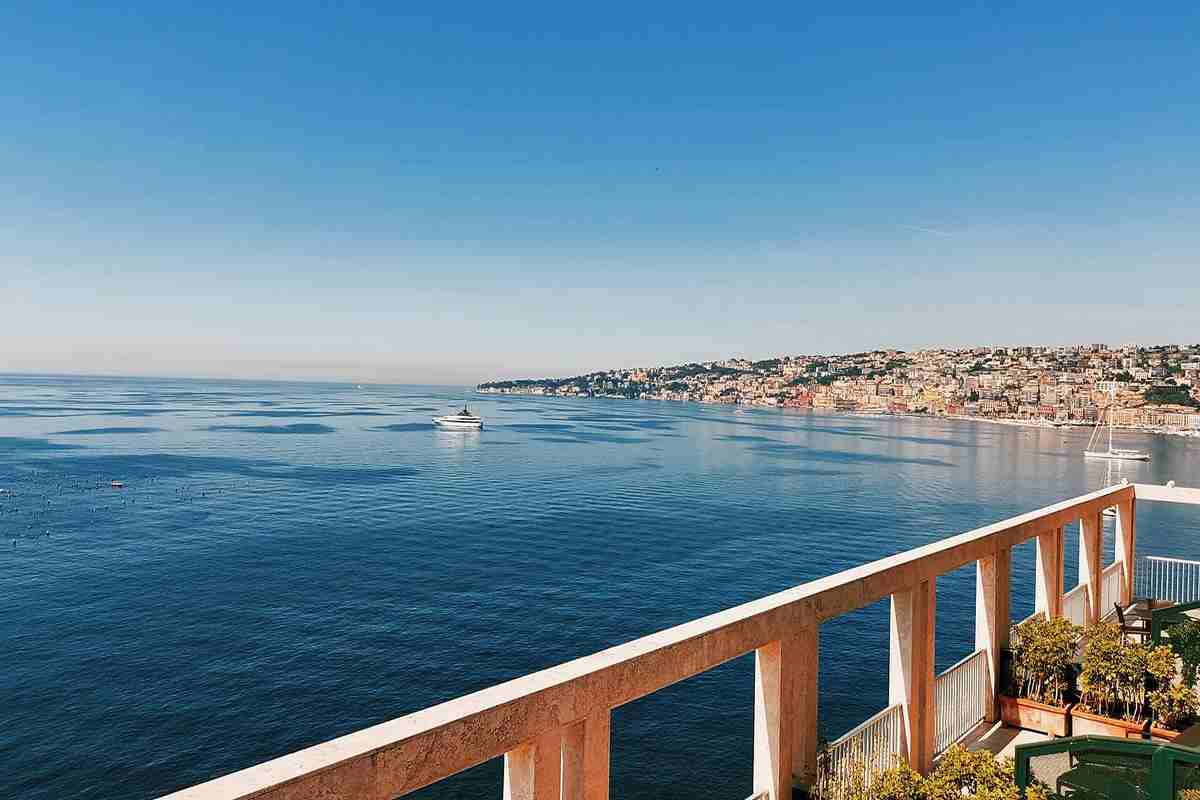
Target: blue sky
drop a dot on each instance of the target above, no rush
(495, 190)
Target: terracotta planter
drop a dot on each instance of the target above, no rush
(1019, 712)
(1085, 722)
(1163, 734)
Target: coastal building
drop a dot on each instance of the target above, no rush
(1068, 384)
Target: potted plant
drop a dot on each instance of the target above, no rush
(1116, 682)
(1175, 707)
(1039, 676)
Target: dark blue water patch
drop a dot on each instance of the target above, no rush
(632, 425)
(20, 444)
(920, 440)
(839, 456)
(296, 427)
(538, 427)
(301, 413)
(404, 427)
(652, 424)
(814, 471)
(578, 437)
(762, 444)
(105, 431)
(163, 466)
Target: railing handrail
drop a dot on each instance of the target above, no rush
(862, 726)
(1079, 587)
(961, 661)
(1172, 560)
(431, 744)
(1166, 494)
(1111, 568)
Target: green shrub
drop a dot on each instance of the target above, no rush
(1185, 643)
(1043, 651)
(960, 775)
(1174, 706)
(1117, 674)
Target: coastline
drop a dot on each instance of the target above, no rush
(1018, 423)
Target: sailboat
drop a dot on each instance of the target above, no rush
(1115, 454)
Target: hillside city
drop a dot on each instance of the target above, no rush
(1157, 387)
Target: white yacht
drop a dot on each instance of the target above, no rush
(1115, 454)
(463, 420)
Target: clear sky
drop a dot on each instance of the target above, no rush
(525, 189)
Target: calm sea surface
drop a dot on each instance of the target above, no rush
(292, 562)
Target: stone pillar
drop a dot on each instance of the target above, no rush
(805, 687)
(911, 678)
(585, 758)
(992, 619)
(1048, 586)
(773, 723)
(533, 770)
(1126, 547)
(1091, 528)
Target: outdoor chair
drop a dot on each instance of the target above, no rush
(1141, 630)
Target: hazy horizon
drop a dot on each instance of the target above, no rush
(280, 370)
(377, 195)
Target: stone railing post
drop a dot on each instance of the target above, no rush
(910, 676)
(1048, 586)
(806, 694)
(785, 714)
(992, 619)
(533, 770)
(773, 725)
(1091, 528)
(1126, 547)
(585, 758)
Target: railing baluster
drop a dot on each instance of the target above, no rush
(961, 693)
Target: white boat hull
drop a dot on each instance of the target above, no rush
(458, 424)
(1117, 455)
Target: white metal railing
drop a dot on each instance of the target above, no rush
(1034, 615)
(1075, 604)
(861, 753)
(960, 699)
(1110, 587)
(1168, 579)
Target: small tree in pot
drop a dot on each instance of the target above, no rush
(1116, 683)
(1040, 676)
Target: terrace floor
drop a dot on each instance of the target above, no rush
(999, 739)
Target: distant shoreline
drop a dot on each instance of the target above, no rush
(1017, 423)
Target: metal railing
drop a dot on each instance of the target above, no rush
(1110, 587)
(1034, 615)
(1168, 579)
(960, 699)
(861, 753)
(1075, 604)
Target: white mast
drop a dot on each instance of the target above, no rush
(1112, 401)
